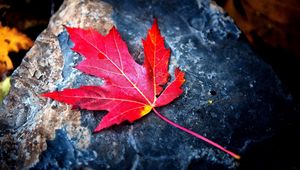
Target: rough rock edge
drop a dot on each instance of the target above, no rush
(36, 119)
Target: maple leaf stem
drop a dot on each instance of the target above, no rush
(196, 135)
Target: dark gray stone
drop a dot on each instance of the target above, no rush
(230, 95)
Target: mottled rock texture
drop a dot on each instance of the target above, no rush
(231, 95)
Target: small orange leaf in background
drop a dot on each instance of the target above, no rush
(11, 41)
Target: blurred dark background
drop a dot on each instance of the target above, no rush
(272, 27)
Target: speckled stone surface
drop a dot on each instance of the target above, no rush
(230, 94)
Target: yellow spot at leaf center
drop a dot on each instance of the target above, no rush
(146, 110)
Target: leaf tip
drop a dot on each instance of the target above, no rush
(179, 74)
(113, 30)
(52, 95)
(48, 94)
(69, 29)
(95, 131)
(155, 26)
(154, 20)
(98, 129)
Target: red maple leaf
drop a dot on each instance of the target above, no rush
(131, 90)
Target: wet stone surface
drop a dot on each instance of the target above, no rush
(230, 96)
